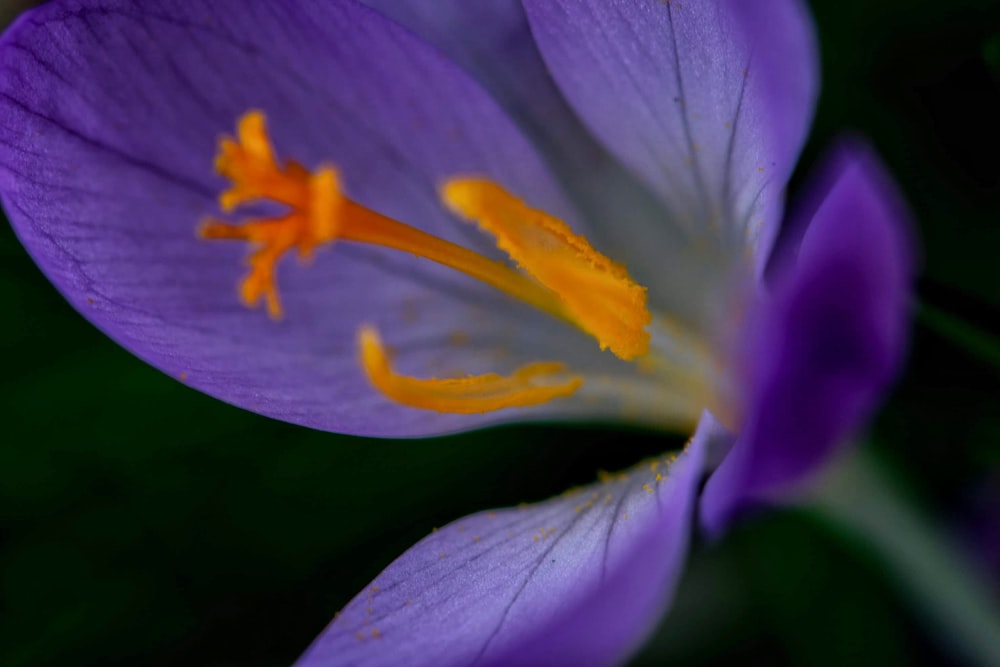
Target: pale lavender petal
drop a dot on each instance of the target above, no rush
(491, 39)
(823, 348)
(707, 100)
(109, 114)
(576, 580)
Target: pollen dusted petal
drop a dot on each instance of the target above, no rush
(581, 579)
(598, 294)
(529, 385)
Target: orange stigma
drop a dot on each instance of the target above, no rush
(557, 271)
(313, 200)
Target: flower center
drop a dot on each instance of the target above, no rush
(560, 273)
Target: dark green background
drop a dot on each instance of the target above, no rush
(143, 523)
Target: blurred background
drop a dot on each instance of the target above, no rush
(142, 523)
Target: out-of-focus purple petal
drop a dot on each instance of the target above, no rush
(577, 580)
(109, 114)
(707, 101)
(492, 41)
(823, 348)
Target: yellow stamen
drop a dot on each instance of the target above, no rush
(529, 385)
(598, 293)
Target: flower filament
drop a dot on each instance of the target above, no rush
(561, 274)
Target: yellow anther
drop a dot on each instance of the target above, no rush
(598, 294)
(529, 385)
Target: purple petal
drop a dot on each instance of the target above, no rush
(577, 580)
(109, 114)
(491, 39)
(707, 101)
(824, 347)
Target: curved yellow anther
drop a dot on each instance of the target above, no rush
(529, 385)
(598, 294)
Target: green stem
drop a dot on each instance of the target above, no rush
(969, 337)
(859, 499)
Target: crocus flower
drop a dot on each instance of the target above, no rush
(625, 161)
